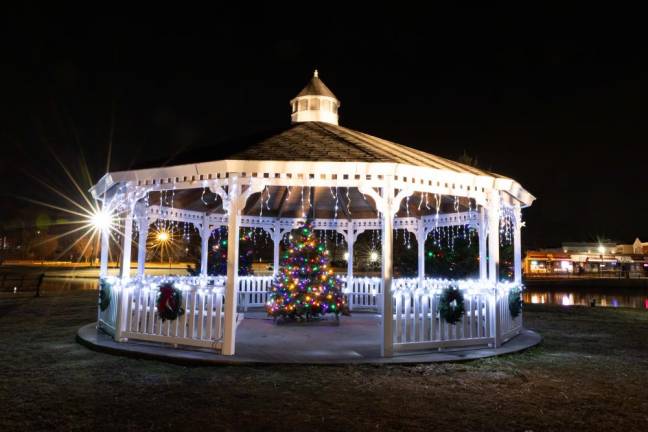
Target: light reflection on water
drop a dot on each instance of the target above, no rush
(582, 297)
(69, 284)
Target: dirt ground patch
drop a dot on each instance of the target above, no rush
(590, 373)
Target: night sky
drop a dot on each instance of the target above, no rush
(556, 99)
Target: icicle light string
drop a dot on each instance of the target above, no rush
(336, 202)
(348, 202)
(202, 196)
(309, 199)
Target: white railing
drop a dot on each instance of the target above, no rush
(132, 312)
(200, 325)
(418, 325)
(364, 294)
(254, 290)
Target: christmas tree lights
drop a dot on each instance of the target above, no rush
(305, 286)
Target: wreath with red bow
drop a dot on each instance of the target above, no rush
(169, 302)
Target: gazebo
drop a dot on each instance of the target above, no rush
(344, 181)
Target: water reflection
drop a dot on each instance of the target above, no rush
(69, 284)
(637, 299)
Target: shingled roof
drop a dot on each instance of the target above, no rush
(316, 87)
(316, 141)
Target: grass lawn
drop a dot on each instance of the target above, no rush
(590, 373)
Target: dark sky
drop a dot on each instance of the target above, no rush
(556, 99)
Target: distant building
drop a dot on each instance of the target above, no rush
(604, 258)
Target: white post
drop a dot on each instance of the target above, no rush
(105, 246)
(483, 233)
(276, 238)
(205, 232)
(517, 245)
(141, 245)
(387, 343)
(420, 238)
(126, 247)
(493, 237)
(493, 262)
(231, 286)
(349, 279)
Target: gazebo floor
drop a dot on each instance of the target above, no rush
(259, 341)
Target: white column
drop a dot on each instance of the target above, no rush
(231, 286)
(483, 233)
(349, 278)
(141, 245)
(493, 237)
(420, 238)
(105, 247)
(124, 272)
(205, 232)
(493, 263)
(276, 238)
(387, 343)
(517, 245)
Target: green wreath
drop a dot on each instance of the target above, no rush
(105, 289)
(451, 305)
(515, 302)
(169, 301)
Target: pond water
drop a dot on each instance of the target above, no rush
(610, 297)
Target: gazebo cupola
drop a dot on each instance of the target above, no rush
(315, 103)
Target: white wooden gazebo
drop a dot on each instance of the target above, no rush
(345, 181)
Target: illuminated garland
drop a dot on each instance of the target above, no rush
(169, 300)
(105, 289)
(451, 305)
(305, 287)
(515, 302)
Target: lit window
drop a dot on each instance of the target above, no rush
(326, 105)
(314, 104)
(303, 104)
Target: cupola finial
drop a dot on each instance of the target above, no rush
(315, 75)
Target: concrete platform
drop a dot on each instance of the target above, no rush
(260, 341)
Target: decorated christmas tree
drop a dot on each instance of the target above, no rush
(305, 287)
